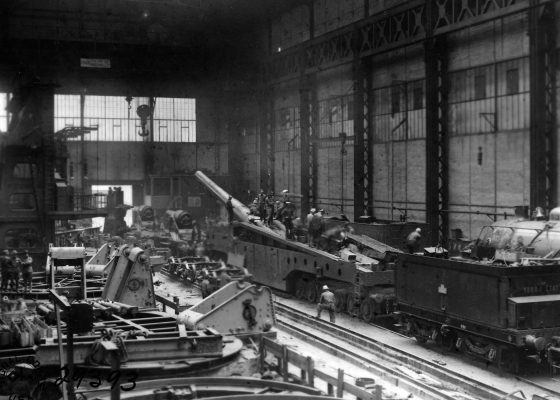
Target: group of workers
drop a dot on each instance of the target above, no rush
(12, 267)
(267, 208)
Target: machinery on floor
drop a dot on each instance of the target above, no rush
(215, 388)
(130, 279)
(203, 273)
(238, 308)
(123, 327)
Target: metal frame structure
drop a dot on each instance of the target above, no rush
(428, 22)
(542, 42)
(398, 27)
(437, 138)
(267, 142)
(363, 156)
(308, 119)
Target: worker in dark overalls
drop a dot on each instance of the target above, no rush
(223, 277)
(5, 262)
(229, 208)
(262, 206)
(27, 271)
(14, 270)
(270, 208)
(205, 290)
(326, 302)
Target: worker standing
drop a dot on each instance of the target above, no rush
(205, 283)
(15, 269)
(326, 302)
(270, 208)
(229, 208)
(262, 206)
(5, 262)
(223, 277)
(413, 241)
(27, 271)
(316, 228)
(196, 234)
(309, 217)
(287, 217)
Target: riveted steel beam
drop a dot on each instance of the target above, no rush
(437, 140)
(363, 152)
(308, 120)
(266, 142)
(542, 45)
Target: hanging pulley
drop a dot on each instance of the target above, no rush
(144, 111)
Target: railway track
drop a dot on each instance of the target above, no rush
(389, 363)
(391, 360)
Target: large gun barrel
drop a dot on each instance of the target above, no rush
(241, 212)
(146, 213)
(183, 219)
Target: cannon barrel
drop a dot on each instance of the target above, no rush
(146, 213)
(183, 219)
(240, 211)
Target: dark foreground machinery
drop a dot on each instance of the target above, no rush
(214, 388)
(499, 302)
(363, 285)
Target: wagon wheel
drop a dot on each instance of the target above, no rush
(449, 340)
(509, 361)
(350, 304)
(300, 289)
(367, 310)
(420, 339)
(339, 301)
(311, 292)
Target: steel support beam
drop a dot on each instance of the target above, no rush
(402, 25)
(542, 142)
(308, 118)
(267, 142)
(437, 141)
(363, 152)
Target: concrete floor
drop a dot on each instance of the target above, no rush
(476, 370)
(470, 368)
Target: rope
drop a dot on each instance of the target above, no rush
(99, 356)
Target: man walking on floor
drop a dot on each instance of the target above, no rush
(326, 302)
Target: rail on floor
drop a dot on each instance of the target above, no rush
(286, 356)
(174, 305)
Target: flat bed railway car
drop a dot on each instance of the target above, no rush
(502, 314)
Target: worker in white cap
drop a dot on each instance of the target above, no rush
(223, 276)
(326, 302)
(413, 241)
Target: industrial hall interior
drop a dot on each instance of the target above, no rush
(279, 199)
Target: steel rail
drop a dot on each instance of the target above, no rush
(385, 353)
(381, 371)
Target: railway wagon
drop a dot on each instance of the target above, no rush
(362, 286)
(502, 314)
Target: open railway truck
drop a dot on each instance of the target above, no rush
(500, 301)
